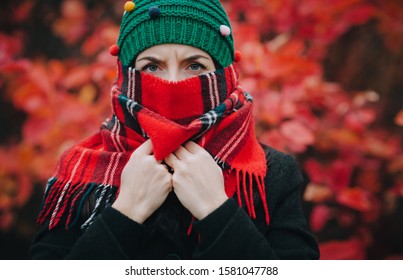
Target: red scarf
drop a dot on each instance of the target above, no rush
(210, 109)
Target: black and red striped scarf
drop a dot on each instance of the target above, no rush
(209, 109)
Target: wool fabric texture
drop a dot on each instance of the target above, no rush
(197, 23)
(210, 109)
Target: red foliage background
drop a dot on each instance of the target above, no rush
(325, 75)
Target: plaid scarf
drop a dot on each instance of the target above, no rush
(210, 109)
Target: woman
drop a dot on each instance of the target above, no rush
(176, 172)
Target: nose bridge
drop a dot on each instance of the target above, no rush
(173, 73)
(173, 70)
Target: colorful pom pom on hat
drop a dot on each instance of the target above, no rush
(129, 6)
(203, 24)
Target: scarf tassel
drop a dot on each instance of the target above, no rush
(59, 197)
(244, 190)
(105, 194)
(65, 200)
(53, 204)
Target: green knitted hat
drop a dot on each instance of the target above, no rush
(202, 24)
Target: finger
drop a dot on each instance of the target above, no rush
(193, 147)
(182, 153)
(172, 161)
(167, 167)
(145, 149)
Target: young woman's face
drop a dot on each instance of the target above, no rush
(174, 62)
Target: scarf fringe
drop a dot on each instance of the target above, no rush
(106, 196)
(64, 201)
(244, 191)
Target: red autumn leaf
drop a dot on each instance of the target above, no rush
(304, 115)
(23, 11)
(359, 14)
(350, 11)
(319, 217)
(377, 145)
(284, 14)
(288, 68)
(293, 48)
(294, 93)
(367, 116)
(389, 14)
(36, 130)
(354, 198)
(6, 191)
(103, 37)
(76, 77)
(39, 75)
(396, 164)
(316, 172)
(359, 120)
(73, 10)
(399, 118)
(248, 32)
(30, 98)
(72, 25)
(10, 46)
(352, 249)
(339, 175)
(317, 193)
(298, 135)
(344, 138)
(274, 138)
(56, 71)
(336, 175)
(275, 107)
(369, 178)
(16, 186)
(252, 53)
(6, 220)
(12, 67)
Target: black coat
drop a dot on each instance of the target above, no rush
(227, 233)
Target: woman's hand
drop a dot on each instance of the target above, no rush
(145, 184)
(197, 179)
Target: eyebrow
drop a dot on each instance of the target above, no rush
(190, 58)
(150, 58)
(195, 57)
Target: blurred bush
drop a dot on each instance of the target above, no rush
(325, 75)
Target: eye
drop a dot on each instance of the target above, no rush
(196, 67)
(150, 68)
